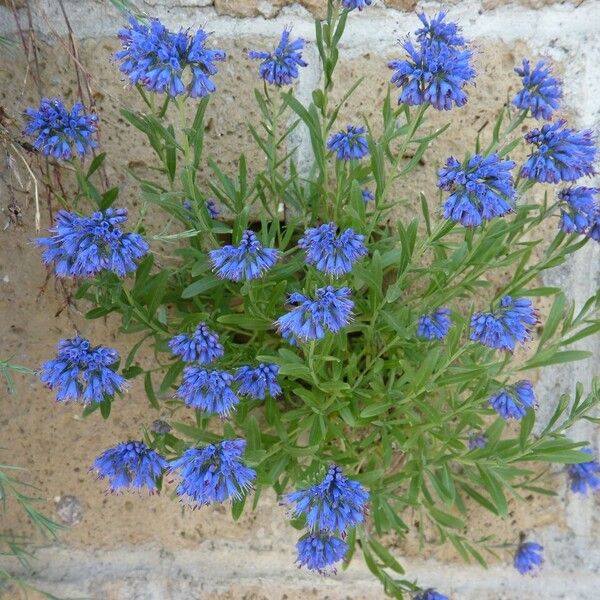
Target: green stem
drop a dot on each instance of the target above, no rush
(415, 123)
(274, 102)
(189, 172)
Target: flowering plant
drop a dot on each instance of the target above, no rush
(309, 339)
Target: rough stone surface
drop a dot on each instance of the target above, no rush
(252, 8)
(69, 510)
(271, 8)
(134, 546)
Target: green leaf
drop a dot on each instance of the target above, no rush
(246, 321)
(108, 198)
(95, 164)
(296, 371)
(237, 508)
(551, 323)
(527, 423)
(375, 409)
(150, 391)
(479, 498)
(494, 489)
(105, 407)
(445, 519)
(172, 374)
(556, 358)
(385, 556)
(208, 282)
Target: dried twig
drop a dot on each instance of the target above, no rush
(74, 54)
(36, 196)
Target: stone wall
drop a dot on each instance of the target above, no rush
(131, 546)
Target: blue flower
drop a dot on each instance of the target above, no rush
(335, 504)
(476, 440)
(437, 69)
(540, 93)
(86, 246)
(331, 253)
(352, 4)
(585, 475)
(202, 63)
(249, 260)
(152, 56)
(212, 208)
(514, 401)
(130, 464)
(156, 59)
(256, 382)
(510, 323)
(367, 196)
(202, 346)
(436, 31)
(320, 551)
(331, 310)
(581, 209)
(213, 474)
(59, 132)
(434, 325)
(481, 190)
(209, 391)
(351, 144)
(528, 559)
(594, 231)
(82, 373)
(430, 594)
(280, 67)
(561, 154)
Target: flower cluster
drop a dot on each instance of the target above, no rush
(352, 4)
(86, 246)
(503, 328)
(367, 196)
(430, 594)
(350, 144)
(437, 69)
(560, 153)
(435, 325)
(213, 474)
(281, 66)
(212, 390)
(209, 391)
(211, 207)
(514, 401)
(335, 504)
(319, 551)
(202, 346)
(585, 475)
(331, 310)
(130, 464)
(82, 373)
(249, 260)
(481, 190)
(256, 382)
(528, 558)
(476, 441)
(156, 58)
(330, 507)
(540, 93)
(60, 132)
(581, 212)
(332, 253)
